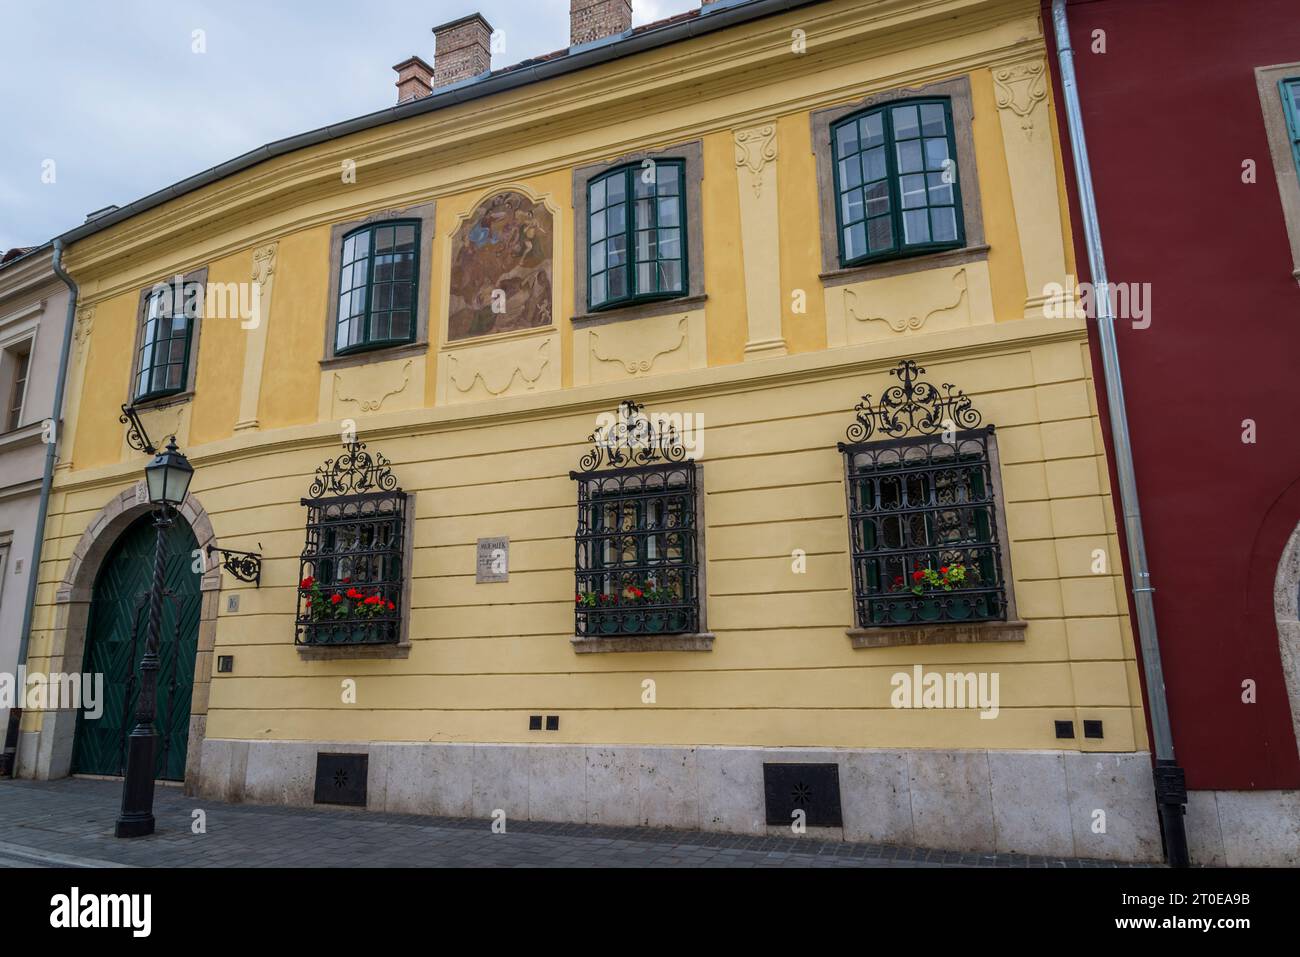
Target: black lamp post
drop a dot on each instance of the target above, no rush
(168, 479)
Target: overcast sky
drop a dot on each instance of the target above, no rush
(114, 95)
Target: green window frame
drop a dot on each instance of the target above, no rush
(636, 239)
(379, 286)
(1290, 89)
(897, 185)
(166, 341)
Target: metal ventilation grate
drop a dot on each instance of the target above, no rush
(341, 779)
(811, 788)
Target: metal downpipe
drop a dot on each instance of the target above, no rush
(1171, 788)
(42, 510)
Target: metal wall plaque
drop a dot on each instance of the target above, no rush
(493, 561)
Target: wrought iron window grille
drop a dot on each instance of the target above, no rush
(351, 571)
(923, 519)
(637, 542)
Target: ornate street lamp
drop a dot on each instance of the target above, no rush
(168, 480)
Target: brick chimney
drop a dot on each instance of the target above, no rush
(462, 50)
(591, 20)
(414, 79)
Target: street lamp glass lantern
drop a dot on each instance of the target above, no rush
(168, 476)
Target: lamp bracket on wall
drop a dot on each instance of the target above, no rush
(246, 566)
(136, 436)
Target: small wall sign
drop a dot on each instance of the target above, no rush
(493, 561)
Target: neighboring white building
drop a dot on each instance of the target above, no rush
(33, 311)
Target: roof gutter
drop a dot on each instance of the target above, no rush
(10, 757)
(1171, 788)
(488, 85)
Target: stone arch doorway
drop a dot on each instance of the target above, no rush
(1286, 607)
(116, 635)
(50, 755)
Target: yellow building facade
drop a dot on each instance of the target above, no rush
(765, 354)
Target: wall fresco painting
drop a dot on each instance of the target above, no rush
(501, 268)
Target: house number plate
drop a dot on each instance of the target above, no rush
(493, 560)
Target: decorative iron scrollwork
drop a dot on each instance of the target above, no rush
(913, 406)
(633, 439)
(136, 436)
(355, 472)
(246, 566)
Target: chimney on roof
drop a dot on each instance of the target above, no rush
(414, 79)
(462, 50)
(592, 20)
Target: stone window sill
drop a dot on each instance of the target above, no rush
(23, 435)
(353, 652)
(904, 266)
(642, 643)
(162, 402)
(950, 634)
(641, 310)
(407, 350)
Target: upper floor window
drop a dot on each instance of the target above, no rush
(896, 182)
(15, 371)
(1278, 87)
(636, 241)
(924, 515)
(170, 319)
(378, 292)
(639, 549)
(1290, 89)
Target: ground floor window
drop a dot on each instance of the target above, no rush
(637, 542)
(923, 509)
(352, 568)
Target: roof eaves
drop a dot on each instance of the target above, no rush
(648, 37)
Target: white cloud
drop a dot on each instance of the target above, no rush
(114, 93)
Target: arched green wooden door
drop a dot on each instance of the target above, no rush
(115, 640)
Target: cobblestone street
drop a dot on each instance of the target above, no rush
(69, 823)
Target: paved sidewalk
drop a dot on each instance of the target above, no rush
(69, 823)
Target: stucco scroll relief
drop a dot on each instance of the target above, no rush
(1020, 88)
(755, 148)
(264, 263)
(903, 322)
(85, 325)
(380, 215)
(497, 378)
(374, 400)
(639, 358)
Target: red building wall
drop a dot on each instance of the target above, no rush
(1171, 112)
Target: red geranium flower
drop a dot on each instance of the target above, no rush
(336, 599)
(307, 583)
(944, 570)
(391, 606)
(917, 576)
